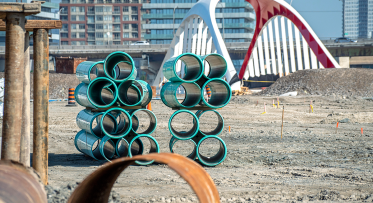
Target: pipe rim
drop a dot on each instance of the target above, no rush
(220, 118)
(196, 126)
(122, 134)
(140, 93)
(201, 70)
(115, 94)
(192, 155)
(171, 86)
(101, 147)
(222, 144)
(90, 69)
(131, 62)
(150, 139)
(227, 87)
(151, 115)
(94, 117)
(204, 58)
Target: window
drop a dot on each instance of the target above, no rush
(73, 26)
(91, 36)
(73, 9)
(81, 26)
(64, 35)
(116, 43)
(108, 26)
(125, 18)
(116, 27)
(99, 9)
(73, 18)
(91, 19)
(99, 35)
(134, 9)
(125, 8)
(45, 9)
(108, 18)
(135, 35)
(63, 18)
(125, 26)
(116, 9)
(126, 34)
(116, 19)
(126, 42)
(73, 35)
(81, 18)
(91, 9)
(99, 18)
(64, 10)
(108, 9)
(99, 26)
(81, 9)
(65, 27)
(73, 43)
(107, 34)
(81, 34)
(134, 18)
(64, 42)
(99, 43)
(116, 35)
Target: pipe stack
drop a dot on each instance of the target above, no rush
(113, 100)
(201, 73)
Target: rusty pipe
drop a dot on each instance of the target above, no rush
(25, 128)
(20, 184)
(14, 66)
(97, 186)
(41, 104)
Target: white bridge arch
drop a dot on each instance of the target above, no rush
(273, 50)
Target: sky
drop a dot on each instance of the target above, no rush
(324, 16)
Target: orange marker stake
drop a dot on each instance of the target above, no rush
(362, 131)
(229, 129)
(336, 130)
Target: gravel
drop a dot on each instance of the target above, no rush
(351, 82)
(62, 194)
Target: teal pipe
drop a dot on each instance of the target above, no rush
(154, 147)
(182, 135)
(123, 127)
(219, 127)
(102, 92)
(86, 69)
(221, 93)
(192, 155)
(215, 159)
(135, 121)
(169, 94)
(119, 67)
(107, 148)
(193, 68)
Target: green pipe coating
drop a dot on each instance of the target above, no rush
(184, 135)
(193, 68)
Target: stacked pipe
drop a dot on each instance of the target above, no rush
(113, 100)
(201, 73)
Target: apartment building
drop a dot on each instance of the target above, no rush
(49, 11)
(357, 18)
(235, 16)
(100, 22)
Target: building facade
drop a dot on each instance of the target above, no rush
(49, 11)
(100, 22)
(235, 18)
(357, 19)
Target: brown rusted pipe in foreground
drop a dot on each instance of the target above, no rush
(13, 96)
(97, 186)
(25, 135)
(20, 184)
(41, 104)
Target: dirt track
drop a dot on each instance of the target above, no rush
(311, 162)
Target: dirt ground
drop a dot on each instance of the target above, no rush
(312, 162)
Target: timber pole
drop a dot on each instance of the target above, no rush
(41, 103)
(13, 90)
(25, 135)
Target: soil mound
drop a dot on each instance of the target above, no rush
(356, 82)
(59, 84)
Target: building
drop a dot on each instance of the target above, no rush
(49, 11)
(100, 22)
(357, 19)
(235, 16)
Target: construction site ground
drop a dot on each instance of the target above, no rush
(313, 161)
